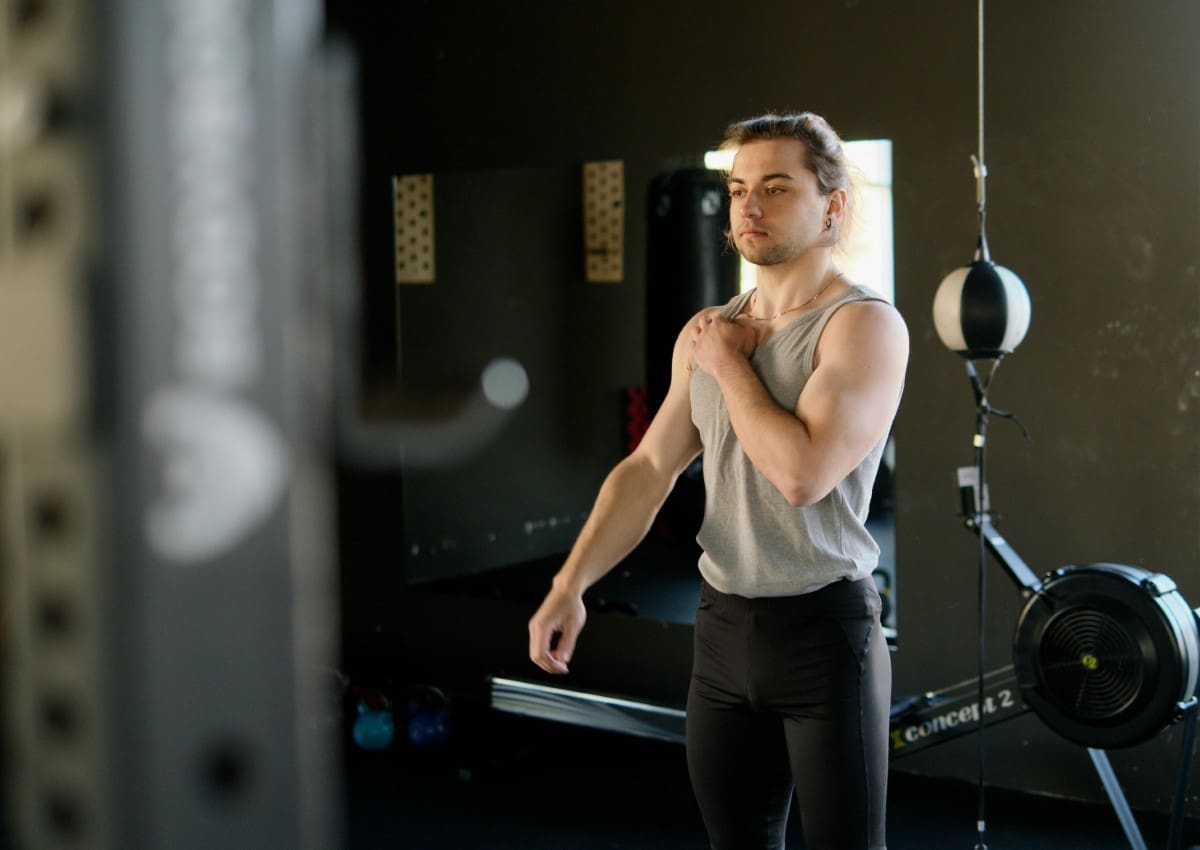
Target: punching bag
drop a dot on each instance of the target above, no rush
(688, 266)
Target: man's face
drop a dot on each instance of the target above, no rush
(776, 212)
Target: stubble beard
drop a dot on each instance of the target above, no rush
(771, 255)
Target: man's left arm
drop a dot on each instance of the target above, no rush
(845, 408)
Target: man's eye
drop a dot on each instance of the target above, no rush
(775, 190)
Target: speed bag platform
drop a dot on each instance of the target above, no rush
(1106, 654)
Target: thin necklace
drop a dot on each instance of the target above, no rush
(820, 292)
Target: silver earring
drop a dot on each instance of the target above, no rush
(828, 223)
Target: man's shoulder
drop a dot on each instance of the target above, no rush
(863, 319)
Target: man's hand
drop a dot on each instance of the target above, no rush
(561, 614)
(716, 340)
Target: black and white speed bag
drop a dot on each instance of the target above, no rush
(981, 310)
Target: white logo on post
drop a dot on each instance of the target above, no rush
(223, 462)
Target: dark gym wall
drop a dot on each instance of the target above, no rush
(1092, 139)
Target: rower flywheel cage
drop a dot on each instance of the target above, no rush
(1107, 654)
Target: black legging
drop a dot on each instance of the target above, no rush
(790, 692)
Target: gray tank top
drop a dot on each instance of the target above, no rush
(754, 543)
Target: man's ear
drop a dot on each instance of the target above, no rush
(835, 203)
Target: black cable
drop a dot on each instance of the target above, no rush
(981, 511)
(981, 423)
(982, 411)
(982, 254)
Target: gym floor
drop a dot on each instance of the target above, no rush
(514, 783)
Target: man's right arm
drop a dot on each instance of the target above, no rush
(629, 499)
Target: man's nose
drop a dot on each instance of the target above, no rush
(751, 207)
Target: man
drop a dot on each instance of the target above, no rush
(789, 390)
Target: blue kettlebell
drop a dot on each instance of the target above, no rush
(429, 728)
(374, 728)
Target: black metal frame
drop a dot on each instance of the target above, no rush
(977, 518)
